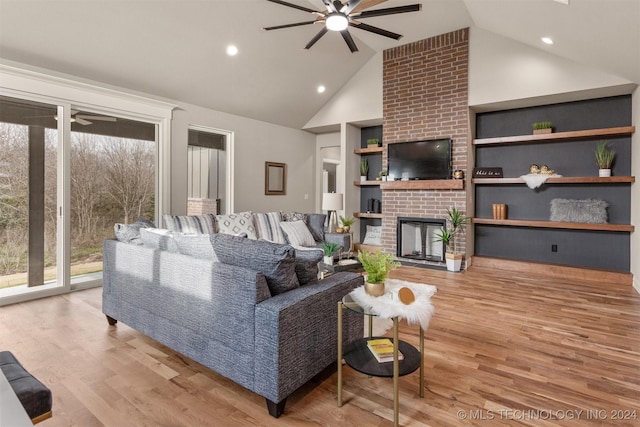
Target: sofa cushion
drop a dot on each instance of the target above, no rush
(274, 260)
(130, 233)
(237, 223)
(195, 245)
(268, 227)
(307, 260)
(158, 238)
(315, 222)
(199, 224)
(298, 233)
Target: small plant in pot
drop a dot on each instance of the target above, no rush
(329, 249)
(604, 158)
(364, 169)
(448, 237)
(542, 127)
(378, 265)
(346, 223)
(382, 176)
(373, 142)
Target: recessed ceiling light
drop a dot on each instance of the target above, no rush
(232, 50)
(321, 89)
(547, 40)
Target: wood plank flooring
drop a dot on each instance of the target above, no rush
(503, 349)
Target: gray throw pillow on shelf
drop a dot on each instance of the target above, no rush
(274, 260)
(589, 211)
(315, 222)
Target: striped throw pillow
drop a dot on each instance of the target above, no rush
(297, 233)
(268, 227)
(198, 224)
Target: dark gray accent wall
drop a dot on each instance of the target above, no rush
(580, 248)
(375, 166)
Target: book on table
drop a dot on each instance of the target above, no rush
(382, 349)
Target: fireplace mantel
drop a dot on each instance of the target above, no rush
(427, 184)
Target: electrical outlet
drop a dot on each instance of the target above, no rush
(554, 248)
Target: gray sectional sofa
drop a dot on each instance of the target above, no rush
(249, 310)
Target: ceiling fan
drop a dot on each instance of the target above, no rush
(341, 15)
(82, 119)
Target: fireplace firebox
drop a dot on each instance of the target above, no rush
(417, 239)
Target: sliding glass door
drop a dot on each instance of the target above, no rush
(28, 194)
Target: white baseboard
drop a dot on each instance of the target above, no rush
(636, 283)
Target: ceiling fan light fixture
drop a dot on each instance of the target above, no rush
(336, 22)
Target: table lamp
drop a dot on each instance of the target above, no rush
(332, 202)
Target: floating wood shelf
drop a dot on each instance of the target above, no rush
(367, 215)
(426, 184)
(367, 183)
(369, 150)
(552, 224)
(559, 136)
(562, 180)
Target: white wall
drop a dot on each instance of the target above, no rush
(255, 142)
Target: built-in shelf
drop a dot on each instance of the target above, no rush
(558, 136)
(425, 184)
(364, 183)
(369, 150)
(367, 215)
(561, 180)
(554, 224)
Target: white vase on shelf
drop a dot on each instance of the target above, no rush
(604, 172)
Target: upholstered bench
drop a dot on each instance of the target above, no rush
(34, 396)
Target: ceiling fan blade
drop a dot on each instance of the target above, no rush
(366, 4)
(388, 11)
(349, 41)
(82, 121)
(317, 37)
(331, 8)
(100, 118)
(376, 30)
(348, 8)
(295, 6)
(297, 24)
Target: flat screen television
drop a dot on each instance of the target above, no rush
(428, 159)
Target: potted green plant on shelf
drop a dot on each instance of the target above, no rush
(382, 176)
(346, 223)
(329, 248)
(373, 142)
(604, 158)
(542, 127)
(364, 169)
(378, 265)
(448, 237)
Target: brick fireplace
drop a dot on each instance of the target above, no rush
(425, 90)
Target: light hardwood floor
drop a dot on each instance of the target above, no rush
(502, 349)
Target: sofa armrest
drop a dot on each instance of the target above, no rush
(296, 334)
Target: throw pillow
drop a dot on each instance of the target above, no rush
(292, 216)
(298, 233)
(373, 235)
(130, 233)
(195, 245)
(275, 261)
(590, 211)
(158, 238)
(268, 227)
(307, 260)
(237, 223)
(199, 224)
(315, 222)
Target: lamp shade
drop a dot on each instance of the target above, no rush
(332, 201)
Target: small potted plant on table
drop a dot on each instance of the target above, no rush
(448, 237)
(329, 249)
(378, 265)
(346, 223)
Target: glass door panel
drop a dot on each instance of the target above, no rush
(28, 194)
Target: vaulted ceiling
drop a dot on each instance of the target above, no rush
(176, 48)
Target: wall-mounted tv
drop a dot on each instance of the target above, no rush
(428, 159)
